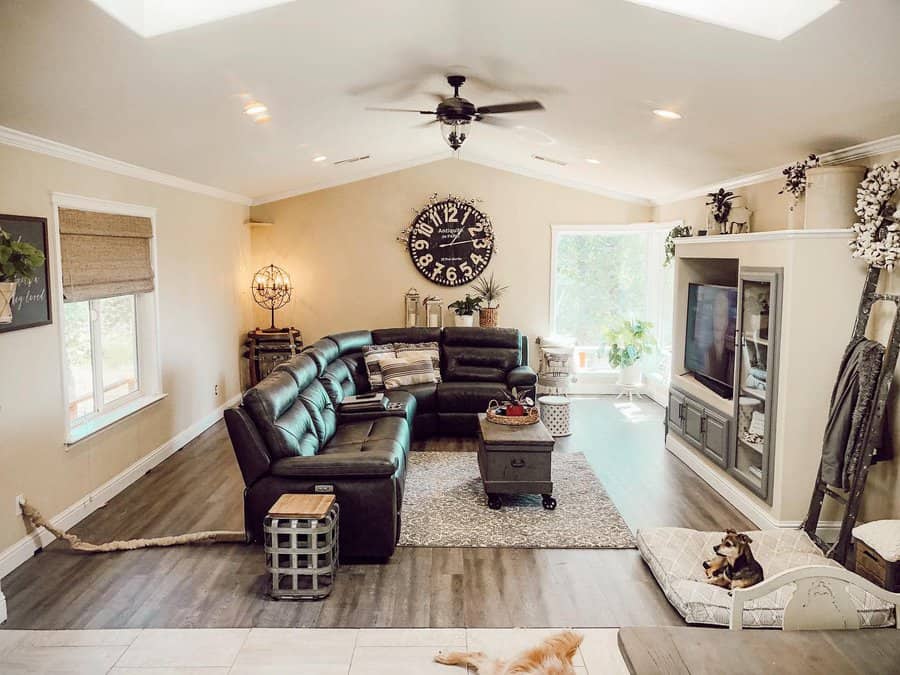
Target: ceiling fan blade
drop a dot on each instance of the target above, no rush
(510, 107)
(428, 123)
(495, 121)
(421, 112)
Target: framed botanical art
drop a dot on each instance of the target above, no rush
(31, 297)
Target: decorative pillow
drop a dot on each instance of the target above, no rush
(420, 350)
(374, 355)
(402, 373)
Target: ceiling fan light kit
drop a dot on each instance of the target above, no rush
(456, 113)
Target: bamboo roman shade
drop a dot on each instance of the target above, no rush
(104, 254)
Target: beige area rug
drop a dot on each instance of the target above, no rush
(444, 505)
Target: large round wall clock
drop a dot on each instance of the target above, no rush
(450, 241)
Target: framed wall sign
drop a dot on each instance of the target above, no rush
(31, 303)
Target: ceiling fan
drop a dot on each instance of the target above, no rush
(456, 113)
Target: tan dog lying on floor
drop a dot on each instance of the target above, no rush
(553, 656)
(733, 566)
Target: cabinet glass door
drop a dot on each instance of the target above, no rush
(755, 398)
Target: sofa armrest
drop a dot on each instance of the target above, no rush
(368, 464)
(523, 376)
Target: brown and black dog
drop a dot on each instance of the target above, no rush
(553, 656)
(733, 565)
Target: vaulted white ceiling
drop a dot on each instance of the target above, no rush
(173, 103)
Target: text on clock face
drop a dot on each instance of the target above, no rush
(450, 244)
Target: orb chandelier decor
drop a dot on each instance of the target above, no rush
(271, 290)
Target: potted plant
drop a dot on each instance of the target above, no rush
(19, 261)
(720, 206)
(465, 309)
(675, 232)
(628, 342)
(795, 185)
(517, 402)
(489, 292)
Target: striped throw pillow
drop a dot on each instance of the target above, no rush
(374, 355)
(421, 350)
(402, 372)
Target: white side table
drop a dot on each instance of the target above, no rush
(556, 415)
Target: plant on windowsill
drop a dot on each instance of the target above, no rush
(489, 292)
(19, 261)
(628, 342)
(465, 309)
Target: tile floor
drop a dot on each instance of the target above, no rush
(271, 651)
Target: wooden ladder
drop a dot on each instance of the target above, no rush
(871, 434)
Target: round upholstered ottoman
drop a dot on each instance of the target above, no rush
(555, 414)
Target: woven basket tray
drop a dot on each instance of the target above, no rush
(531, 416)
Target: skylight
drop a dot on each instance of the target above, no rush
(773, 19)
(149, 18)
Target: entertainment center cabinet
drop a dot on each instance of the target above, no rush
(797, 293)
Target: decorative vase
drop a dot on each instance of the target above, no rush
(631, 376)
(7, 293)
(487, 317)
(831, 196)
(465, 320)
(796, 213)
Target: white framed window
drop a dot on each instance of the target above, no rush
(108, 326)
(603, 274)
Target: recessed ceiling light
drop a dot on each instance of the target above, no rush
(668, 114)
(773, 19)
(319, 158)
(263, 118)
(255, 108)
(592, 160)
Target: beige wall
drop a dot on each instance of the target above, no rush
(340, 245)
(202, 248)
(882, 499)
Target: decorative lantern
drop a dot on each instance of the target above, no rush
(434, 312)
(411, 304)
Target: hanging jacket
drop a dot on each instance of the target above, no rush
(852, 403)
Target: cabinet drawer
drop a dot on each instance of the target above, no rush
(517, 466)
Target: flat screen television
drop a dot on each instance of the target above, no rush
(709, 344)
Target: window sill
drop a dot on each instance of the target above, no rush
(98, 424)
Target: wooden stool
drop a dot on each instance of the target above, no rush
(301, 544)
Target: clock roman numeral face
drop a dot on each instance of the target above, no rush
(449, 243)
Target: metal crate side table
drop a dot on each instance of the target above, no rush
(301, 544)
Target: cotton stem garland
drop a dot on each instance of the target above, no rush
(877, 239)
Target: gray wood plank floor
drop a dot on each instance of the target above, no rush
(223, 585)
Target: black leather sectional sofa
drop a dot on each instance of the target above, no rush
(289, 434)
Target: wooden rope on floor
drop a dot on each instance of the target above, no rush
(210, 537)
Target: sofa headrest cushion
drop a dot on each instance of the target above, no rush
(383, 336)
(352, 341)
(301, 367)
(322, 352)
(504, 338)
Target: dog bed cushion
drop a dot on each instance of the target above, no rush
(881, 535)
(675, 556)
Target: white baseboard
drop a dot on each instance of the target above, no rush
(25, 548)
(2, 606)
(735, 496)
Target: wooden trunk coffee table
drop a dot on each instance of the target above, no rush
(515, 461)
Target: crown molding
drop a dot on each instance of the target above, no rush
(472, 158)
(346, 180)
(853, 153)
(558, 180)
(45, 146)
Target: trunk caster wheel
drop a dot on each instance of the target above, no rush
(494, 502)
(549, 502)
